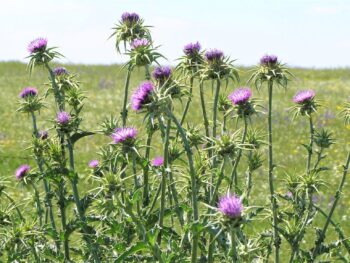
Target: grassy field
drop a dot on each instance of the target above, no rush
(104, 88)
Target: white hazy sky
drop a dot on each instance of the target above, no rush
(307, 33)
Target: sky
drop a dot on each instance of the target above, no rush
(303, 33)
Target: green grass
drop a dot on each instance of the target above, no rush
(104, 89)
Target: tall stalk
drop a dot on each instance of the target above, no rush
(187, 106)
(124, 112)
(193, 183)
(234, 176)
(338, 193)
(310, 150)
(92, 246)
(204, 111)
(276, 237)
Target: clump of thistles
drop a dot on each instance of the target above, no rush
(268, 60)
(231, 206)
(63, 118)
(214, 55)
(60, 71)
(22, 171)
(158, 161)
(93, 164)
(192, 49)
(304, 96)
(161, 73)
(28, 92)
(37, 45)
(140, 42)
(130, 17)
(240, 96)
(124, 135)
(141, 96)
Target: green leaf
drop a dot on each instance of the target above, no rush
(140, 246)
(77, 136)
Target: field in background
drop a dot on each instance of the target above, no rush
(104, 88)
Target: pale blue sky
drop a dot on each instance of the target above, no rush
(301, 32)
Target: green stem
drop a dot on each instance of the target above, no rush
(146, 169)
(38, 205)
(62, 207)
(124, 113)
(204, 111)
(147, 73)
(322, 236)
(58, 97)
(187, 103)
(310, 150)
(233, 245)
(193, 183)
(234, 177)
(93, 247)
(276, 236)
(14, 205)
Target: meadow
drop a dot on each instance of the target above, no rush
(103, 87)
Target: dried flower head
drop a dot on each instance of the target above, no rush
(22, 171)
(43, 135)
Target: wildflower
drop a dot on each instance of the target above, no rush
(37, 45)
(139, 42)
(63, 118)
(60, 71)
(141, 95)
(93, 164)
(158, 161)
(43, 135)
(161, 73)
(192, 49)
(28, 92)
(130, 17)
(124, 135)
(240, 96)
(268, 60)
(22, 171)
(304, 96)
(214, 55)
(231, 206)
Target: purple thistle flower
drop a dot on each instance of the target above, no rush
(124, 134)
(158, 161)
(22, 171)
(304, 96)
(192, 48)
(93, 164)
(231, 206)
(28, 92)
(37, 45)
(141, 95)
(60, 71)
(240, 96)
(214, 54)
(63, 118)
(268, 59)
(161, 73)
(140, 42)
(130, 17)
(43, 135)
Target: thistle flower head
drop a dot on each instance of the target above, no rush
(130, 17)
(158, 161)
(63, 118)
(268, 60)
(141, 96)
(60, 71)
(28, 92)
(304, 96)
(37, 45)
(140, 42)
(22, 171)
(93, 164)
(192, 49)
(240, 96)
(124, 135)
(43, 135)
(231, 206)
(214, 55)
(161, 73)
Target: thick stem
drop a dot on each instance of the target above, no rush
(38, 205)
(146, 169)
(58, 97)
(276, 237)
(193, 183)
(62, 207)
(204, 111)
(234, 177)
(124, 112)
(310, 150)
(187, 103)
(334, 205)
(233, 245)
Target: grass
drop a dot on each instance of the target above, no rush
(104, 89)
